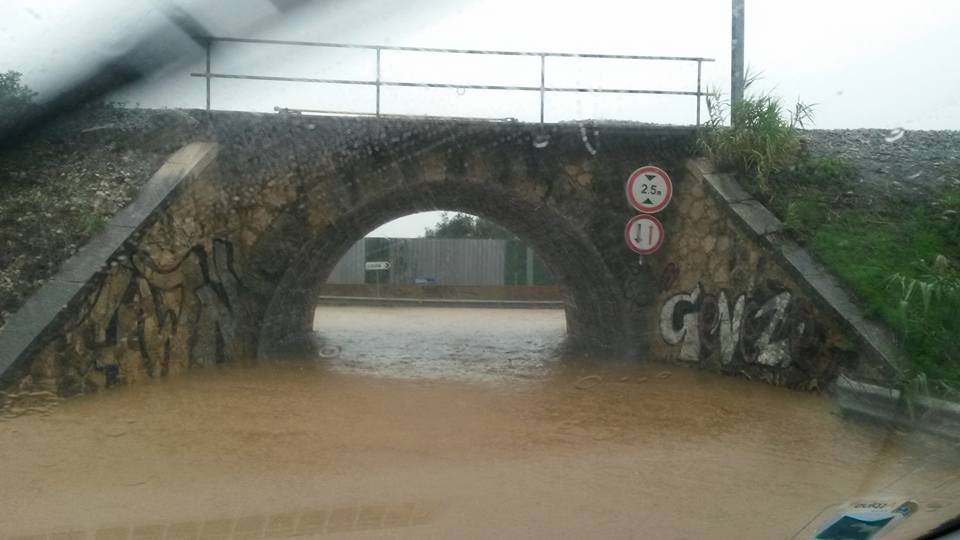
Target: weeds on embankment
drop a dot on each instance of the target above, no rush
(762, 142)
(903, 265)
(899, 265)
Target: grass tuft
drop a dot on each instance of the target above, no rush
(756, 137)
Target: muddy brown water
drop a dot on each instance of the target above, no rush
(482, 434)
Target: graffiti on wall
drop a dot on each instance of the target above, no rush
(772, 329)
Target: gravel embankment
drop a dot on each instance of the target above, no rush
(900, 164)
(62, 182)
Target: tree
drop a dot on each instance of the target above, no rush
(16, 101)
(459, 225)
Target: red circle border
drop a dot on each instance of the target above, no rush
(636, 204)
(626, 234)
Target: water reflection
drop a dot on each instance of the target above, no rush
(458, 343)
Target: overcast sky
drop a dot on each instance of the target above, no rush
(864, 63)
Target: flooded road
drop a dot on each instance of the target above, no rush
(349, 448)
(451, 343)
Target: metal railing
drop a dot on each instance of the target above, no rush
(379, 83)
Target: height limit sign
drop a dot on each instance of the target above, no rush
(649, 191)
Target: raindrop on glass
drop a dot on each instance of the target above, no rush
(895, 135)
(586, 141)
(541, 140)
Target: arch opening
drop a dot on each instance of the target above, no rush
(593, 300)
(441, 294)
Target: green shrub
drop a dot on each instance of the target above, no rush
(16, 101)
(900, 267)
(927, 324)
(756, 137)
(93, 223)
(802, 217)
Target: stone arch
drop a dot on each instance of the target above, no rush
(596, 308)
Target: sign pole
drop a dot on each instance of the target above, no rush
(377, 267)
(736, 59)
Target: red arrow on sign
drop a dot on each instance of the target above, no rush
(644, 234)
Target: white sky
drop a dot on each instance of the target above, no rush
(864, 63)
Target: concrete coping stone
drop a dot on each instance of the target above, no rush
(831, 293)
(26, 326)
(756, 216)
(701, 166)
(727, 187)
(184, 164)
(723, 184)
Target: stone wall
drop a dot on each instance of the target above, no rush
(153, 295)
(730, 303)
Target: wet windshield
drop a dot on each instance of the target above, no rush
(304, 268)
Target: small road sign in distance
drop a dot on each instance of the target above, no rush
(644, 234)
(649, 189)
(377, 265)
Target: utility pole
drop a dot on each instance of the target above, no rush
(736, 58)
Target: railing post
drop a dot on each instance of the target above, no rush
(378, 82)
(543, 81)
(209, 43)
(699, 66)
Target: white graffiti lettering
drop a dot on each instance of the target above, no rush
(729, 328)
(687, 330)
(761, 332)
(769, 352)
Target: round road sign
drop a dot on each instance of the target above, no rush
(644, 234)
(649, 189)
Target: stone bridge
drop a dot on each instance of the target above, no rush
(221, 256)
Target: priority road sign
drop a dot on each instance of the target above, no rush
(644, 234)
(649, 189)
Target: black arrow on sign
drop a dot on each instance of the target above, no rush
(650, 176)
